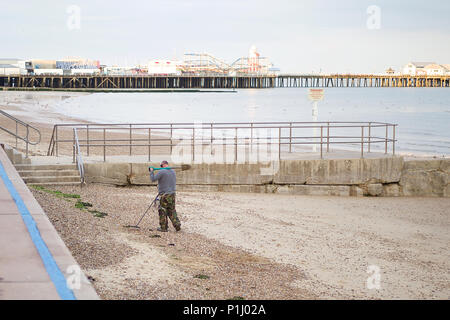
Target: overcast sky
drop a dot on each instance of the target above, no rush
(297, 36)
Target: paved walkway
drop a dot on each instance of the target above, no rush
(34, 261)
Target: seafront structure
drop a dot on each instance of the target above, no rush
(191, 64)
(426, 69)
(139, 82)
(202, 71)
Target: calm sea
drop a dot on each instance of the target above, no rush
(422, 114)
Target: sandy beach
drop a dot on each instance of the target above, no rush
(251, 246)
(257, 246)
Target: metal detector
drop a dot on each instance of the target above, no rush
(151, 204)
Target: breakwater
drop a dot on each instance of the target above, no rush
(391, 176)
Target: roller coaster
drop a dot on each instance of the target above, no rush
(207, 64)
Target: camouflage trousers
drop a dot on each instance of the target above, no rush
(167, 210)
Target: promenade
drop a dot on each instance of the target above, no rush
(34, 261)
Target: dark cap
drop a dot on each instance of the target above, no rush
(164, 162)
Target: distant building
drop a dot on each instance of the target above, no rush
(12, 67)
(446, 68)
(63, 66)
(390, 71)
(43, 64)
(163, 67)
(416, 68)
(8, 69)
(76, 63)
(48, 72)
(434, 70)
(117, 70)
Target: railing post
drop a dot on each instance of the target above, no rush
(257, 148)
(87, 138)
(211, 139)
(321, 142)
(279, 143)
(251, 137)
(51, 145)
(362, 141)
(130, 138)
(386, 140)
(193, 144)
(104, 145)
(369, 135)
(150, 143)
(328, 137)
(56, 139)
(171, 135)
(28, 132)
(393, 140)
(73, 147)
(16, 134)
(290, 137)
(235, 145)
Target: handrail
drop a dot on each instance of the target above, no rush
(153, 135)
(78, 157)
(51, 145)
(17, 136)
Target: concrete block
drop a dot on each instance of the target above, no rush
(270, 188)
(239, 174)
(356, 191)
(445, 166)
(375, 189)
(110, 173)
(447, 191)
(424, 183)
(198, 188)
(340, 171)
(422, 165)
(283, 190)
(140, 175)
(391, 190)
(320, 190)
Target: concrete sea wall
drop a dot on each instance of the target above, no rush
(391, 176)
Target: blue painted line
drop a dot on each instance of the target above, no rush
(52, 268)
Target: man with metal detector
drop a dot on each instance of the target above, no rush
(166, 178)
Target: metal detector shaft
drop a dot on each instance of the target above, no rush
(151, 204)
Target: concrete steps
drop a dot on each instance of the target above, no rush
(15, 156)
(49, 174)
(42, 174)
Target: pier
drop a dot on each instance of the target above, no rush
(98, 82)
(361, 80)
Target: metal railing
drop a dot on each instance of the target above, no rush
(77, 156)
(277, 136)
(26, 137)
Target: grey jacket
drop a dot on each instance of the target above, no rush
(167, 180)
